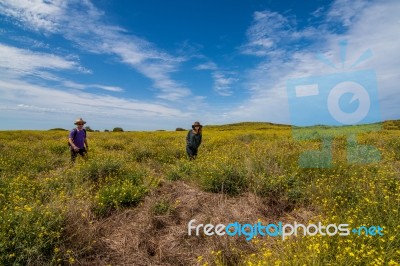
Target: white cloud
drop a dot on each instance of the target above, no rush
(223, 83)
(81, 22)
(223, 80)
(347, 12)
(29, 94)
(19, 97)
(107, 88)
(40, 15)
(272, 34)
(284, 49)
(22, 63)
(369, 25)
(206, 66)
(266, 33)
(78, 86)
(28, 62)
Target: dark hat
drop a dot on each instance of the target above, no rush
(196, 124)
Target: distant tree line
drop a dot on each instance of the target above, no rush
(89, 129)
(115, 129)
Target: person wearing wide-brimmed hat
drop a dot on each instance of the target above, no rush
(193, 140)
(77, 140)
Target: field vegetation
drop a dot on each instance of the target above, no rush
(130, 202)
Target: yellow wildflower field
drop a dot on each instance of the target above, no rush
(44, 199)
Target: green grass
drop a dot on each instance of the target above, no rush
(40, 191)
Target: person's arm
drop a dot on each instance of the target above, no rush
(188, 138)
(71, 142)
(201, 136)
(86, 144)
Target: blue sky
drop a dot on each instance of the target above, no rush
(147, 65)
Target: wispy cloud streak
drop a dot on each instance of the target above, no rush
(81, 22)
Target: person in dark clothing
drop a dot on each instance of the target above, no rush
(193, 140)
(77, 140)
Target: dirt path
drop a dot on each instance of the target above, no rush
(138, 236)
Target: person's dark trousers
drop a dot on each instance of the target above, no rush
(74, 154)
(192, 152)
